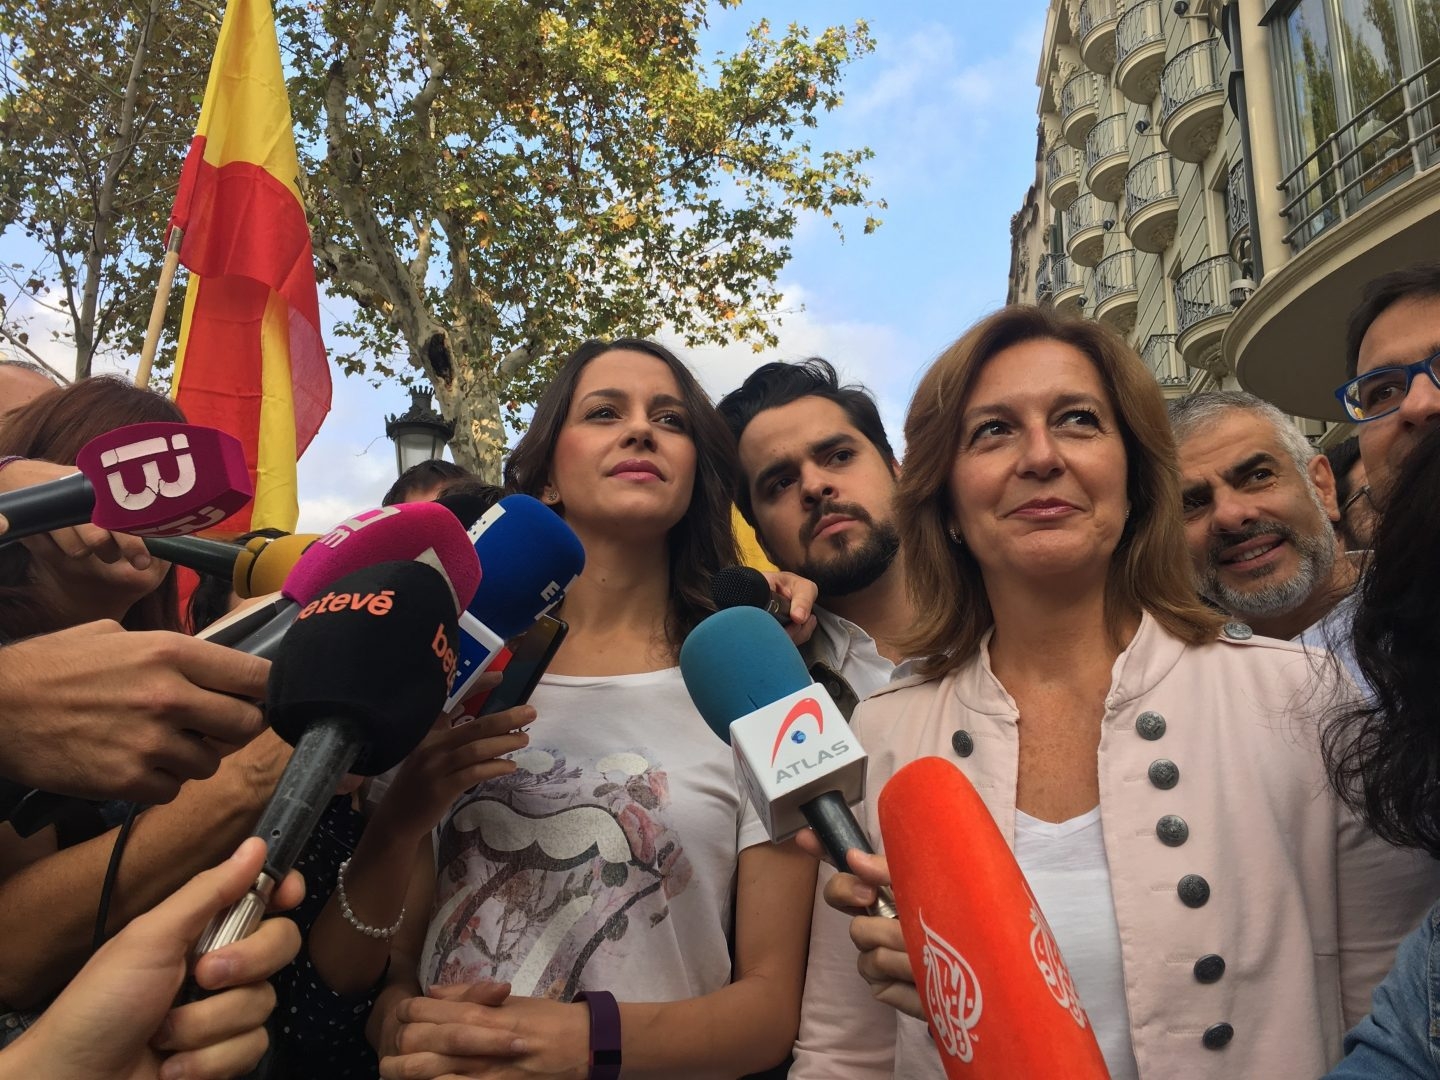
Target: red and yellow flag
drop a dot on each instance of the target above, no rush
(751, 553)
(250, 358)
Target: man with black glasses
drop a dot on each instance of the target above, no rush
(1392, 351)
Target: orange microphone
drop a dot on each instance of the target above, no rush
(1000, 1001)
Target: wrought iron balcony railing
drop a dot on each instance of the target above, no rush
(1160, 356)
(1080, 91)
(1114, 274)
(1106, 139)
(1141, 25)
(1395, 136)
(1149, 179)
(1061, 161)
(1086, 212)
(1203, 291)
(1237, 205)
(1190, 74)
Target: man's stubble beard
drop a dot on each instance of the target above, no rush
(1317, 561)
(856, 567)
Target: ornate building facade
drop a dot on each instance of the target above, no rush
(1218, 179)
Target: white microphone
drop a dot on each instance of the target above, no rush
(794, 751)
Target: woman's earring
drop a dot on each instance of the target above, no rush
(552, 496)
(955, 537)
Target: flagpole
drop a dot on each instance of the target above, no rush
(157, 310)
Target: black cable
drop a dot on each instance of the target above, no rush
(112, 872)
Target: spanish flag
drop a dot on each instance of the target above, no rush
(250, 358)
(751, 553)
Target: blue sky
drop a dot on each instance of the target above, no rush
(947, 102)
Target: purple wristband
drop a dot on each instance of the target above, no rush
(604, 1034)
(10, 459)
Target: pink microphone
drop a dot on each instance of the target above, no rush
(146, 479)
(411, 532)
(407, 532)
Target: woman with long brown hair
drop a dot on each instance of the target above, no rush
(50, 884)
(598, 878)
(42, 588)
(1155, 770)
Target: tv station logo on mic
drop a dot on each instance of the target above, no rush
(792, 750)
(810, 757)
(1045, 951)
(349, 527)
(164, 479)
(152, 485)
(378, 604)
(445, 653)
(953, 998)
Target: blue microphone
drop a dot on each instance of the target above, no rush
(794, 751)
(737, 661)
(529, 557)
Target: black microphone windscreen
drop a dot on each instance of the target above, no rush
(739, 586)
(377, 649)
(468, 508)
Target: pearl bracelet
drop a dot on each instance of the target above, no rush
(381, 933)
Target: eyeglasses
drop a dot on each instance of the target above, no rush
(1362, 492)
(1379, 393)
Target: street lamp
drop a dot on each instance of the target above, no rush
(419, 433)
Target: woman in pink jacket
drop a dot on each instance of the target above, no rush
(1154, 767)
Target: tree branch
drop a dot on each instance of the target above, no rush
(420, 264)
(31, 353)
(118, 159)
(358, 273)
(436, 68)
(391, 277)
(511, 363)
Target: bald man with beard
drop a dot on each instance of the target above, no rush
(1260, 514)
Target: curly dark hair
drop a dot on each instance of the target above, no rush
(704, 539)
(1383, 755)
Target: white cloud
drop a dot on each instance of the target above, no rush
(905, 67)
(351, 463)
(878, 356)
(934, 110)
(42, 320)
